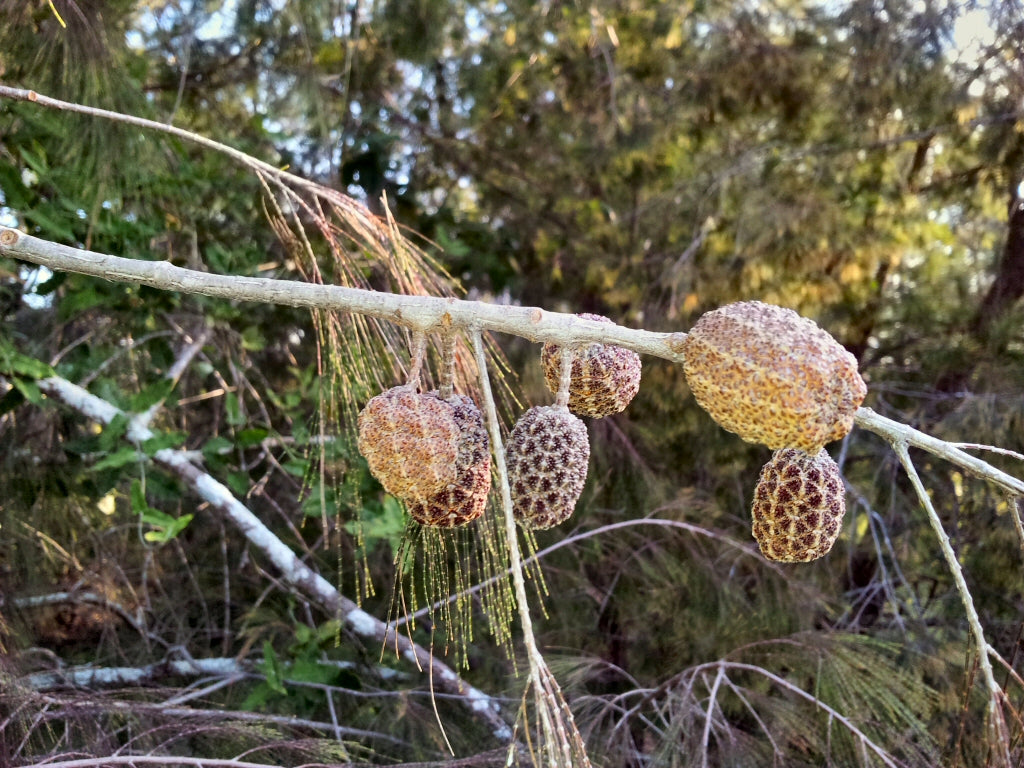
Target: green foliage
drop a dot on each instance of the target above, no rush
(304, 663)
(165, 528)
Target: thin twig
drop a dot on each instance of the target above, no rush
(1000, 738)
(778, 754)
(990, 448)
(894, 432)
(709, 718)
(562, 740)
(174, 374)
(1017, 510)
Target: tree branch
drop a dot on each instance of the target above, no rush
(428, 313)
(295, 572)
(89, 676)
(895, 433)
(418, 313)
(997, 723)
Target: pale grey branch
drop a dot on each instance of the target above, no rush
(294, 570)
(422, 313)
(895, 433)
(997, 722)
(427, 313)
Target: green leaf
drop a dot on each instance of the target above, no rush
(166, 527)
(260, 695)
(157, 518)
(13, 363)
(311, 671)
(216, 446)
(35, 158)
(388, 525)
(138, 497)
(151, 395)
(234, 411)
(113, 432)
(28, 389)
(252, 339)
(250, 437)
(80, 300)
(239, 483)
(303, 634)
(165, 440)
(328, 631)
(179, 525)
(119, 458)
(311, 506)
(271, 668)
(297, 467)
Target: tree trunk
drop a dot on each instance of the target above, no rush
(1008, 285)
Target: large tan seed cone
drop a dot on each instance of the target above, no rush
(411, 441)
(772, 376)
(798, 506)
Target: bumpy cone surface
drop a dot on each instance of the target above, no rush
(798, 506)
(464, 499)
(772, 377)
(547, 455)
(410, 441)
(604, 378)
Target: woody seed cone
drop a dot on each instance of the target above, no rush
(465, 498)
(798, 507)
(411, 441)
(547, 455)
(772, 376)
(604, 377)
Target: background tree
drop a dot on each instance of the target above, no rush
(647, 161)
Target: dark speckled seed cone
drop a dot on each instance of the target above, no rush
(464, 499)
(547, 454)
(798, 507)
(604, 380)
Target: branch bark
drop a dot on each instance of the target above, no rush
(90, 677)
(418, 313)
